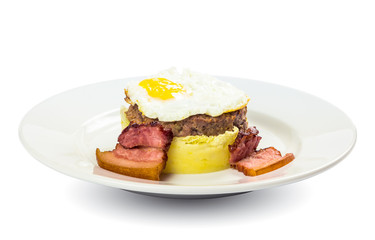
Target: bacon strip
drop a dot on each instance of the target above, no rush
(146, 135)
(263, 161)
(141, 169)
(244, 145)
(141, 152)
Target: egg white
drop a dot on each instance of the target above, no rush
(203, 94)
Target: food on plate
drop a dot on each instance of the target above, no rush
(141, 152)
(181, 122)
(262, 161)
(198, 153)
(203, 113)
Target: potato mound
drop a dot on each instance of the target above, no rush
(200, 154)
(196, 154)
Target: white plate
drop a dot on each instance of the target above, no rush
(64, 131)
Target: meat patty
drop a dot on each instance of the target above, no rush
(200, 124)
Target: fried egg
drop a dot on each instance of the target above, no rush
(171, 95)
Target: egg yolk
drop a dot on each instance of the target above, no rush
(161, 88)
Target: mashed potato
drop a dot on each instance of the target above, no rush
(196, 154)
(200, 154)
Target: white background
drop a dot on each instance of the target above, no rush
(325, 48)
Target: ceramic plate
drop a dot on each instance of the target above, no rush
(63, 132)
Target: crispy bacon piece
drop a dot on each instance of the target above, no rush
(262, 161)
(141, 151)
(116, 162)
(147, 135)
(244, 145)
